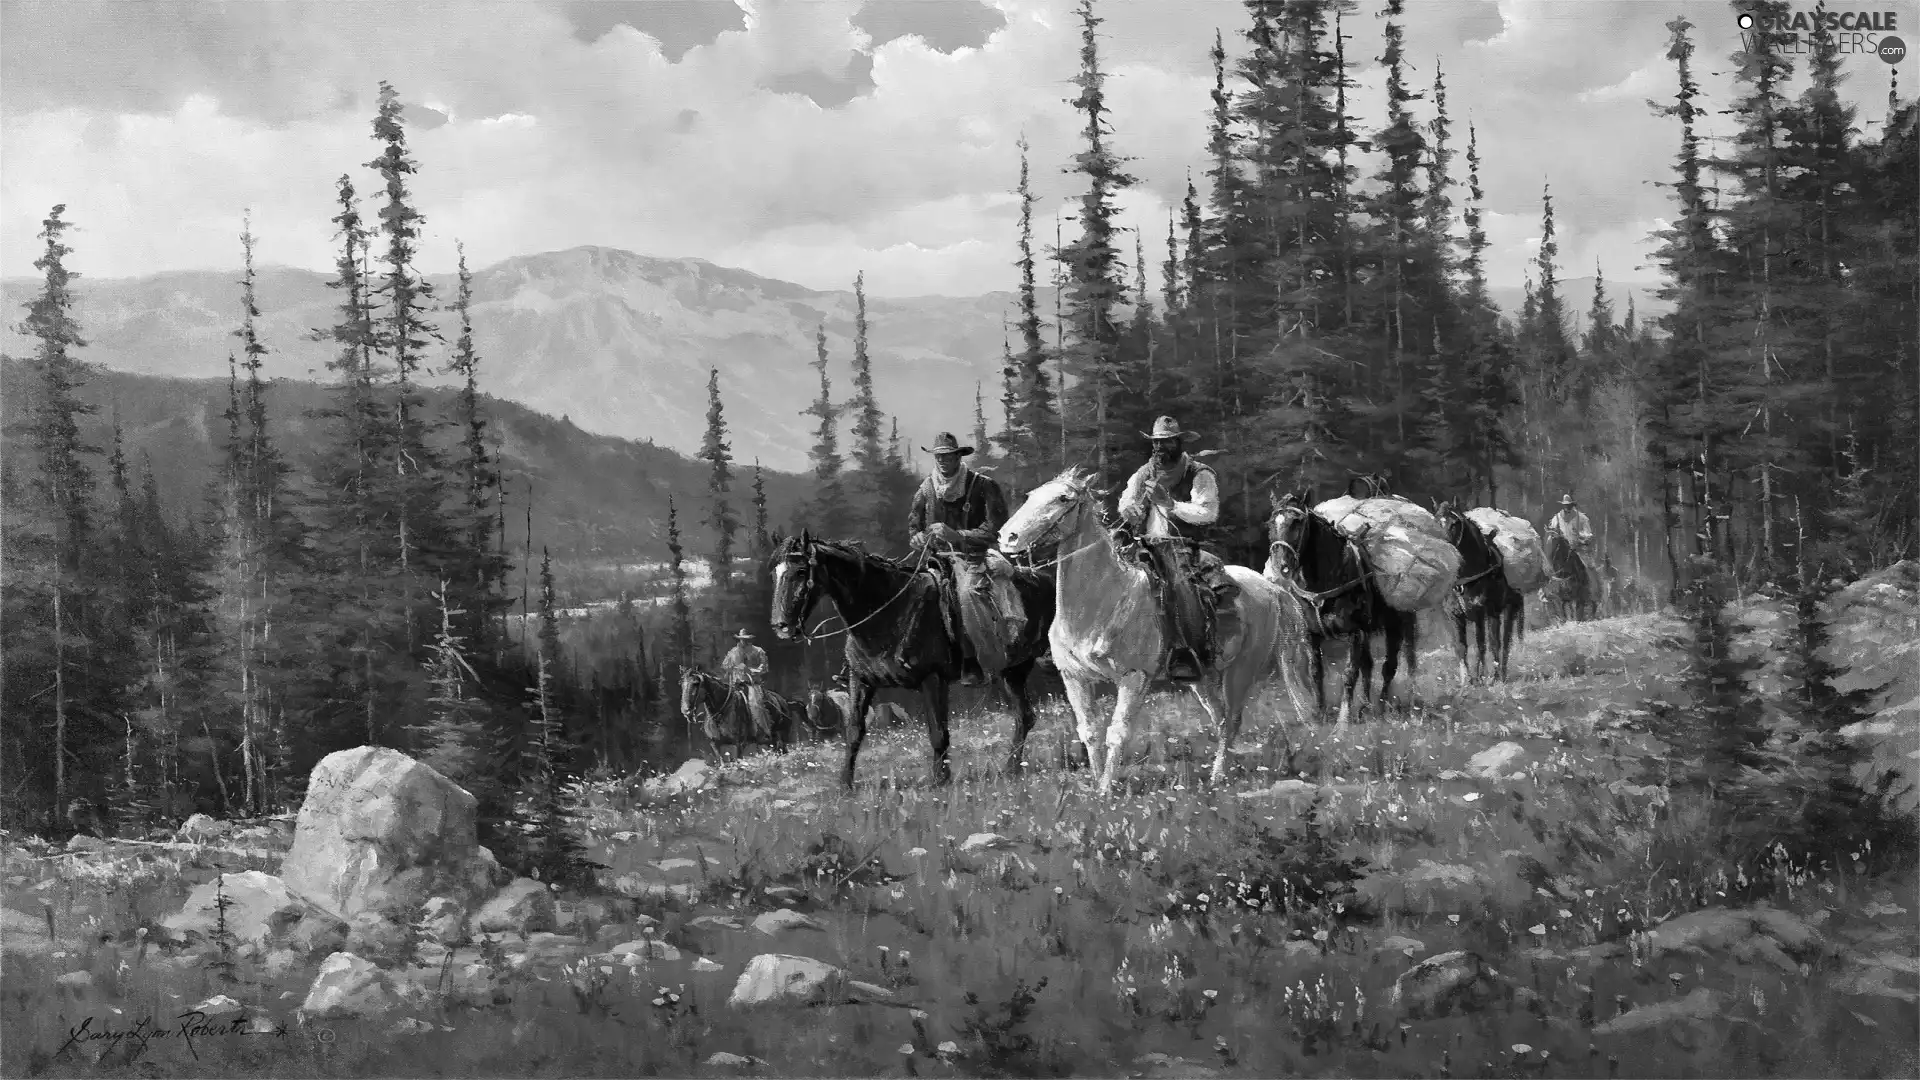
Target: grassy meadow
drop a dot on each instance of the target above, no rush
(1271, 929)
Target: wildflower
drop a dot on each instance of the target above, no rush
(1454, 919)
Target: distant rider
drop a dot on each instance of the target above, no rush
(1571, 525)
(744, 667)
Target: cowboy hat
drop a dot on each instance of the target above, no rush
(743, 635)
(1166, 427)
(947, 444)
(1566, 500)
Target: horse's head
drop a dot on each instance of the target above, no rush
(690, 677)
(816, 706)
(1452, 521)
(794, 589)
(1287, 528)
(1051, 513)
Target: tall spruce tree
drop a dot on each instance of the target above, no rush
(869, 453)
(830, 512)
(680, 610)
(1092, 261)
(718, 455)
(482, 564)
(1036, 417)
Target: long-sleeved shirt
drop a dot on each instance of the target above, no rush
(976, 515)
(1573, 525)
(1201, 506)
(745, 663)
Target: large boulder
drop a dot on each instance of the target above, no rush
(381, 832)
(778, 979)
(348, 985)
(261, 911)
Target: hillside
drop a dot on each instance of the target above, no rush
(619, 343)
(595, 496)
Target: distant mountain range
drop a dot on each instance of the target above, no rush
(595, 497)
(616, 343)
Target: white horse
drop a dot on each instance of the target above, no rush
(1107, 628)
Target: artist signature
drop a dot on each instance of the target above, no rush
(186, 1027)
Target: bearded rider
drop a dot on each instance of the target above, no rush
(1572, 525)
(744, 667)
(958, 512)
(1170, 501)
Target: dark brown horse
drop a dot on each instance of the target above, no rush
(1569, 593)
(1481, 593)
(725, 717)
(899, 635)
(1333, 576)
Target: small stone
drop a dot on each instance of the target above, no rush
(701, 963)
(1495, 760)
(219, 1005)
(775, 922)
(985, 841)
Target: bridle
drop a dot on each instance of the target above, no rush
(1298, 588)
(807, 637)
(1454, 522)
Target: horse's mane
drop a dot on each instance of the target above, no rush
(857, 551)
(1079, 477)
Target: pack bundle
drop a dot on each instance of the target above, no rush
(1523, 556)
(1413, 562)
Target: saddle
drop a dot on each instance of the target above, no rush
(1192, 589)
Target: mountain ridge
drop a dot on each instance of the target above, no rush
(616, 342)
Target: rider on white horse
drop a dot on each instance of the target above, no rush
(1174, 497)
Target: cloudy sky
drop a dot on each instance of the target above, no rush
(800, 139)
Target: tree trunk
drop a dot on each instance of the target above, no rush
(59, 708)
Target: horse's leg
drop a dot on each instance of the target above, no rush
(935, 690)
(1480, 638)
(1391, 665)
(1131, 691)
(1358, 652)
(1509, 614)
(1014, 681)
(1318, 644)
(1460, 620)
(859, 693)
(1086, 721)
(1210, 692)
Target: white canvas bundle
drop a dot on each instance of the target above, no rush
(1521, 552)
(1413, 562)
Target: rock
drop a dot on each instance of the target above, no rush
(218, 1005)
(524, 905)
(640, 888)
(201, 829)
(985, 841)
(1405, 945)
(262, 911)
(701, 963)
(1702, 1004)
(866, 991)
(671, 865)
(1496, 760)
(692, 776)
(1453, 981)
(545, 951)
(83, 842)
(786, 894)
(444, 920)
(378, 937)
(1760, 934)
(75, 981)
(645, 949)
(380, 831)
(726, 1060)
(774, 922)
(349, 986)
(410, 1025)
(777, 979)
(280, 963)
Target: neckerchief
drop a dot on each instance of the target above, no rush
(1167, 477)
(950, 489)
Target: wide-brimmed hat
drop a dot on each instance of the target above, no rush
(1566, 500)
(1166, 427)
(744, 636)
(947, 444)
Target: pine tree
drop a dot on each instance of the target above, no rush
(762, 532)
(484, 567)
(829, 512)
(62, 531)
(868, 452)
(718, 455)
(682, 613)
(1092, 262)
(980, 439)
(1035, 418)
(1489, 395)
(549, 615)
(454, 741)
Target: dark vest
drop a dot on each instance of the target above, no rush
(969, 511)
(1182, 491)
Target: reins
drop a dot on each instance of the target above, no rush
(912, 575)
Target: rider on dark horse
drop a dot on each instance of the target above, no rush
(1571, 525)
(1171, 501)
(958, 512)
